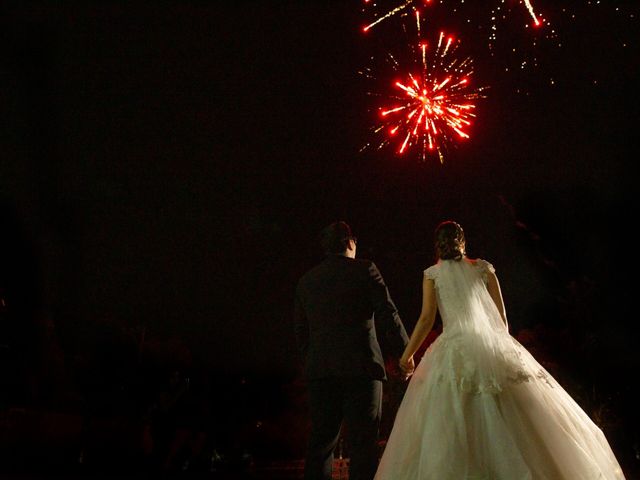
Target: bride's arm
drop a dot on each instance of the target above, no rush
(424, 324)
(493, 286)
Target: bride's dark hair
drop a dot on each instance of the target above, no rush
(449, 241)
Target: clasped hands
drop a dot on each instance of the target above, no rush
(407, 366)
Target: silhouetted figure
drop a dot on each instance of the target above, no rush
(177, 424)
(106, 366)
(342, 307)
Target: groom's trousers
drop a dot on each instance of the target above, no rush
(354, 402)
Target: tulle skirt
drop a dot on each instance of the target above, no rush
(481, 407)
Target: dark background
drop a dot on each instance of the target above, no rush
(165, 168)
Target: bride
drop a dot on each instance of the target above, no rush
(479, 406)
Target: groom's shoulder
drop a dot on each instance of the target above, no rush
(363, 264)
(311, 273)
(332, 266)
(368, 268)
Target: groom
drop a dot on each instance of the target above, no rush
(342, 307)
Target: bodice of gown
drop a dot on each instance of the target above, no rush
(475, 348)
(464, 302)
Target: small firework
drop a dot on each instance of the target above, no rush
(433, 105)
(517, 37)
(408, 5)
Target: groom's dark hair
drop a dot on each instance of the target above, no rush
(334, 238)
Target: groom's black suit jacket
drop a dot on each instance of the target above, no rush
(342, 307)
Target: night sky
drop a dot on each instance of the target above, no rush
(166, 166)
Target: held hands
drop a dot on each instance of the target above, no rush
(407, 366)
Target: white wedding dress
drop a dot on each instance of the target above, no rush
(479, 406)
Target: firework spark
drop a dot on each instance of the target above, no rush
(532, 12)
(431, 107)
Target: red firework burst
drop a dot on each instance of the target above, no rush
(433, 107)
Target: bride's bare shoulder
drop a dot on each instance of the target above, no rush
(432, 272)
(483, 265)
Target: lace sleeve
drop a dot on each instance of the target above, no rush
(431, 272)
(484, 267)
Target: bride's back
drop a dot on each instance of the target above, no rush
(463, 300)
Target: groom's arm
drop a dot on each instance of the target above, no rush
(388, 322)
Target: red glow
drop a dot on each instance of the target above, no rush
(433, 108)
(440, 112)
